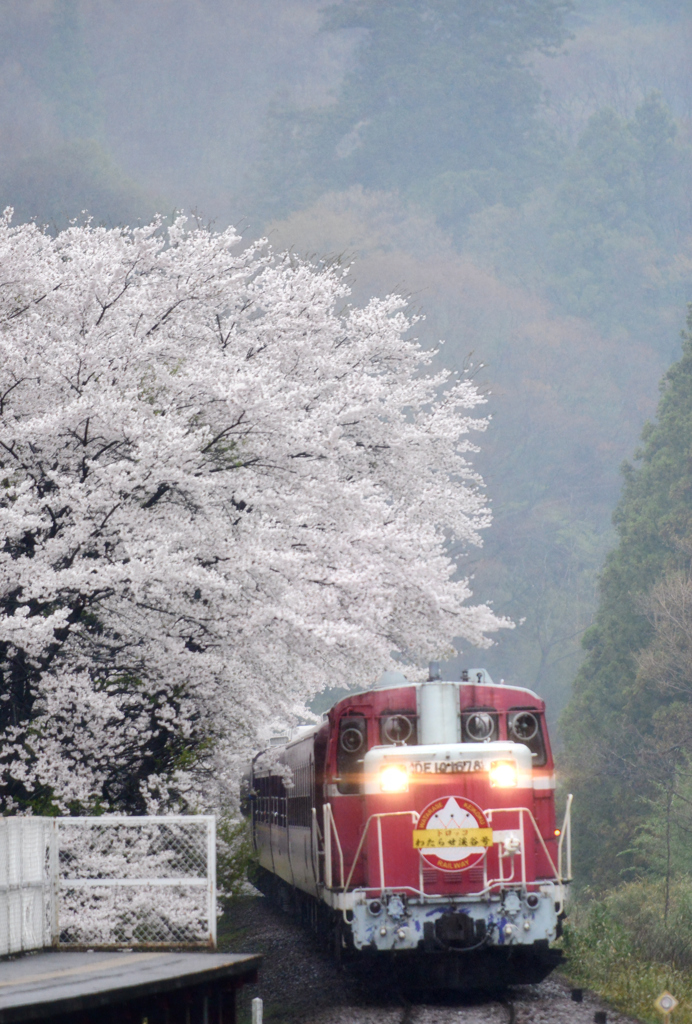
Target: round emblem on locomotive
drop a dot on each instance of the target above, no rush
(453, 834)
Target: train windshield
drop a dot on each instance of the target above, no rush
(479, 725)
(524, 726)
(399, 729)
(351, 747)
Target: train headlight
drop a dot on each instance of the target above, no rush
(394, 778)
(503, 774)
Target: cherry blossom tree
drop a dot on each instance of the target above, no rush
(222, 488)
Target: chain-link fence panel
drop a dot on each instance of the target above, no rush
(136, 882)
(105, 882)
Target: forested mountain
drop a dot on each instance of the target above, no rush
(628, 726)
(441, 105)
(124, 109)
(562, 261)
(521, 169)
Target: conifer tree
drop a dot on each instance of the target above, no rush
(442, 104)
(611, 721)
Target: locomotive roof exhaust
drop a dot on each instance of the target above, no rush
(439, 713)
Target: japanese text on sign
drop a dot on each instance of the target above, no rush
(436, 838)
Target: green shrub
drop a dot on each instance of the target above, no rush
(234, 854)
(624, 948)
(640, 908)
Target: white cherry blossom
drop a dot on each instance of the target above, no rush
(222, 488)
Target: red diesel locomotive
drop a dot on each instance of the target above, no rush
(416, 825)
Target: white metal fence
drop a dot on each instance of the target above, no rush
(25, 895)
(107, 881)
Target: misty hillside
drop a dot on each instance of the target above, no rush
(522, 171)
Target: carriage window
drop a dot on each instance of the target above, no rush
(300, 797)
(270, 800)
(524, 726)
(479, 726)
(352, 745)
(398, 729)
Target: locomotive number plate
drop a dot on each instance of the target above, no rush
(445, 767)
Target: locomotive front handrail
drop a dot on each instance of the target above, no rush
(522, 811)
(488, 884)
(385, 814)
(557, 871)
(564, 849)
(566, 839)
(315, 840)
(565, 831)
(329, 827)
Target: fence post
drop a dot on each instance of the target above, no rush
(54, 881)
(5, 881)
(257, 1007)
(21, 836)
(211, 879)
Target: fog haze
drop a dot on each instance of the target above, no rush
(521, 171)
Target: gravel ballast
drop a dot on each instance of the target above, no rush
(300, 983)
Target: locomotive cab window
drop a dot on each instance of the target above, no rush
(351, 747)
(479, 725)
(398, 728)
(524, 726)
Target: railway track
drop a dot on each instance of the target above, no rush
(486, 1010)
(301, 984)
